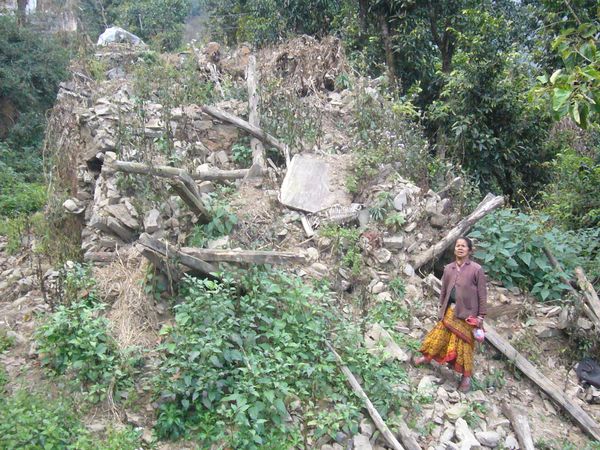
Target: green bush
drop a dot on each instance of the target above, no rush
(510, 246)
(17, 196)
(572, 197)
(36, 421)
(240, 354)
(75, 339)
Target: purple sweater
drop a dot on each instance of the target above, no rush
(471, 291)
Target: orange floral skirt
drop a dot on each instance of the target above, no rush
(451, 341)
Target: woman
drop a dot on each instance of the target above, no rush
(463, 296)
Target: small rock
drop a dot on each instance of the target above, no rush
(318, 270)
(465, 436)
(361, 442)
(364, 217)
(409, 270)
(488, 438)
(378, 287)
(457, 411)
(442, 394)
(394, 242)
(97, 427)
(511, 442)
(400, 200)
(584, 323)
(152, 221)
(438, 220)
(366, 427)
(206, 187)
(73, 206)
(427, 385)
(312, 254)
(382, 255)
(410, 227)
(384, 297)
(222, 242)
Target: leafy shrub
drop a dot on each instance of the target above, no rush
(239, 355)
(221, 223)
(75, 339)
(241, 155)
(345, 244)
(382, 133)
(32, 420)
(510, 247)
(17, 196)
(572, 197)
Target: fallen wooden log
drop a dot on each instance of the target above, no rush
(193, 202)
(220, 175)
(163, 265)
(587, 424)
(487, 205)
(243, 256)
(249, 128)
(259, 164)
(169, 251)
(377, 420)
(520, 425)
(589, 294)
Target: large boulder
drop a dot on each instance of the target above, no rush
(118, 35)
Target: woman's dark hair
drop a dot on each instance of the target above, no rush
(467, 240)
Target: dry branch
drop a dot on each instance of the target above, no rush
(587, 424)
(220, 175)
(487, 205)
(255, 131)
(243, 256)
(379, 423)
(589, 294)
(520, 424)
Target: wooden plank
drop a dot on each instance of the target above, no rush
(487, 205)
(377, 419)
(169, 251)
(587, 423)
(243, 256)
(520, 424)
(220, 175)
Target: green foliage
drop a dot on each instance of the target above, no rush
(75, 339)
(345, 245)
(221, 223)
(6, 341)
(572, 197)
(510, 247)
(382, 135)
(241, 155)
(389, 313)
(261, 353)
(34, 420)
(574, 88)
(490, 124)
(17, 196)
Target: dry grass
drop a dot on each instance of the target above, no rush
(133, 316)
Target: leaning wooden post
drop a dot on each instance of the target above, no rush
(590, 295)
(379, 423)
(259, 165)
(487, 205)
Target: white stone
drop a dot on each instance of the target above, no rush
(511, 442)
(400, 200)
(378, 287)
(456, 411)
(488, 438)
(367, 427)
(427, 385)
(409, 270)
(152, 221)
(465, 436)
(361, 442)
(312, 254)
(117, 34)
(382, 255)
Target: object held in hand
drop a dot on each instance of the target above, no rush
(479, 334)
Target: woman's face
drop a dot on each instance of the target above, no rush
(461, 249)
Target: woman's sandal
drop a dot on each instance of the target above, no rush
(465, 384)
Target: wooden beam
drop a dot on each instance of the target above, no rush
(587, 423)
(487, 205)
(180, 179)
(220, 175)
(249, 128)
(520, 424)
(377, 419)
(243, 256)
(169, 251)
